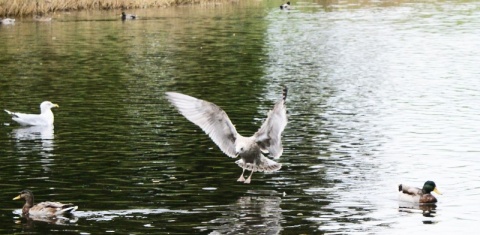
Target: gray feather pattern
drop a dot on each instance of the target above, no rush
(208, 116)
(215, 122)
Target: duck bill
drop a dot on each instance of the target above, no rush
(436, 191)
(17, 197)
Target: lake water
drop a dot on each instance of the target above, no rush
(380, 93)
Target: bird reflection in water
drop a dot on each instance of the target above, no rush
(41, 133)
(250, 215)
(427, 209)
(29, 221)
(36, 139)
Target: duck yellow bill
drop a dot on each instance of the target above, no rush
(17, 197)
(436, 191)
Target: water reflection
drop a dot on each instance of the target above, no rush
(29, 221)
(427, 209)
(42, 133)
(379, 96)
(249, 215)
(73, 218)
(113, 214)
(36, 139)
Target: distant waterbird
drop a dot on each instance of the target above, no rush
(128, 16)
(42, 18)
(285, 6)
(215, 122)
(7, 21)
(45, 117)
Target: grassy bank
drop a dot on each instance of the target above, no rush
(41, 7)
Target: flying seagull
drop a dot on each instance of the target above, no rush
(215, 122)
(45, 118)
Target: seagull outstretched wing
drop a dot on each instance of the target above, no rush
(208, 116)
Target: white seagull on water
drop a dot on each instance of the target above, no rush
(45, 118)
(215, 122)
(7, 21)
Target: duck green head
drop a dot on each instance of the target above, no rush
(430, 186)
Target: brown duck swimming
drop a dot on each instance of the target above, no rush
(43, 208)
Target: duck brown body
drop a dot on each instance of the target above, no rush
(43, 208)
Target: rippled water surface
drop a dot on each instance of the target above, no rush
(380, 93)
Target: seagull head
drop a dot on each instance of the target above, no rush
(48, 105)
(239, 149)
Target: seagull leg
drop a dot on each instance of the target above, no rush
(241, 179)
(249, 178)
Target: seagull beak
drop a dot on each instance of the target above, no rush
(56, 106)
(17, 197)
(436, 191)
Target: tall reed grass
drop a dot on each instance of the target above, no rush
(41, 7)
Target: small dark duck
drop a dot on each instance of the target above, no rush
(417, 195)
(128, 16)
(43, 208)
(285, 6)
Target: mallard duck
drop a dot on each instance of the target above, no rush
(43, 208)
(45, 118)
(128, 16)
(417, 195)
(285, 6)
(7, 21)
(215, 122)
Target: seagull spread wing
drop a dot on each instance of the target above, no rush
(268, 137)
(208, 116)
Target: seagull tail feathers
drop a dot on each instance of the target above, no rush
(14, 115)
(265, 165)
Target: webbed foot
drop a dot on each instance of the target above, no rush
(241, 179)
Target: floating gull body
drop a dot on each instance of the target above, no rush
(7, 21)
(45, 117)
(215, 122)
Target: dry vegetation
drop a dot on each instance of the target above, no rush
(40, 7)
